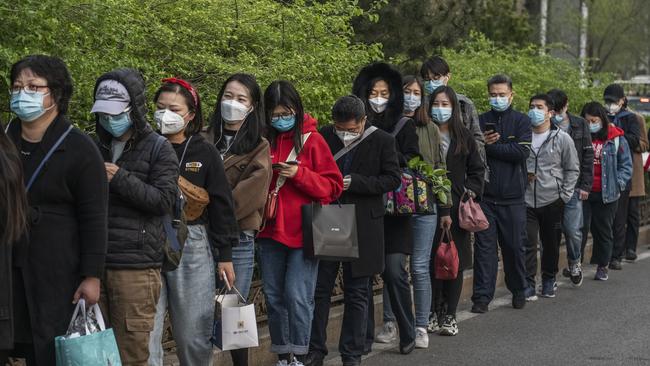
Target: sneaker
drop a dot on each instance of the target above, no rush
(388, 333)
(313, 359)
(518, 300)
(282, 363)
(601, 274)
(295, 362)
(615, 265)
(479, 308)
(449, 326)
(433, 325)
(630, 255)
(530, 294)
(566, 272)
(549, 287)
(421, 338)
(576, 274)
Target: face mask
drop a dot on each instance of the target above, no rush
(28, 106)
(558, 118)
(347, 137)
(283, 124)
(378, 104)
(431, 85)
(441, 115)
(411, 102)
(169, 123)
(499, 104)
(613, 108)
(537, 116)
(595, 127)
(232, 111)
(115, 125)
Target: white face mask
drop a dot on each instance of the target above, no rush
(378, 104)
(169, 122)
(233, 112)
(613, 108)
(347, 137)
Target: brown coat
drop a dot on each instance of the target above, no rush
(638, 179)
(249, 177)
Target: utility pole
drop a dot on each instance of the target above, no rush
(584, 10)
(543, 23)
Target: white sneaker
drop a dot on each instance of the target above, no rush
(295, 362)
(282, 363)
(421, 338)
(388, 333)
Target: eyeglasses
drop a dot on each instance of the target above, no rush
(29, 89)
(285, 116)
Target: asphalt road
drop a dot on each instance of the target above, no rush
(600, 323)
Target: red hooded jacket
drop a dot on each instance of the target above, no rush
(318, 180)
(612, 133)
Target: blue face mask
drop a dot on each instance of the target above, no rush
(595, 127)
(431, 85)
(283, 124)
(116, 125)
(411, 102)
(441, 115)
(28, 106)
(558, 118)
(499, 104)
(537, 116)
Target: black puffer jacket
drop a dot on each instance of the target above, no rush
(143, 189)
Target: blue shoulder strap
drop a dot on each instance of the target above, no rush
(617, 118)
(47, 157)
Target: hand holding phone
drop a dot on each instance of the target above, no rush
(278, 166)
(490, 127)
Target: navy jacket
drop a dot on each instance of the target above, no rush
(506, 158)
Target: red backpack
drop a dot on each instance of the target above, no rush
(446, 261)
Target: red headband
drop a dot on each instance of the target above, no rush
(185, 85)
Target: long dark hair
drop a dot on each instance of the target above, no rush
(457, 129)
(421, 115)
(13, 203)
(250, 132)
(196, 123)
(283, 93)
(597, 110)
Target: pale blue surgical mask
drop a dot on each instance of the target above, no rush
(431, 85)
(283, 123)
(28, 106)
(441, 115)
(558, 118)
(116, 125)
(595, 127)
(412, 102)
(537, 116)
(499, 104)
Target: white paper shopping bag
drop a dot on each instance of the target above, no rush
(235, 325)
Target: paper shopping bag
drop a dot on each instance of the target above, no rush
(235, 325)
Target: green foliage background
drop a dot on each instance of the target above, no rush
(311, 43)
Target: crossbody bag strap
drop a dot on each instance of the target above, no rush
(47, 157)
(292, 156)
(180, 162)
(399, 126)
(349, 148)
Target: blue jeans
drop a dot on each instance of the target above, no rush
(289, 285)
(243, 259)
(572, 225)
(424, 229)
(188, 293)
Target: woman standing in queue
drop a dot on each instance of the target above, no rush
(237, 125)
(465, 171)
(188, 291)
(304, 172)
(61, 259)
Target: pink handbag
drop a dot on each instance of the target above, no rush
(470, 215)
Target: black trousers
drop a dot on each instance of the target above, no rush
(544, 222)
(396, 280)
(599, 218)
(620, 223)
(633, 223)
(352, 340)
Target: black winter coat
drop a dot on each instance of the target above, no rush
(374, 171)
(579, 132)
(66, 239)
(466, 171)
(143, 190)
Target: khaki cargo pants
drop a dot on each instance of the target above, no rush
(128, 301)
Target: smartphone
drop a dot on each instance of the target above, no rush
(277, 166)
(490, 126)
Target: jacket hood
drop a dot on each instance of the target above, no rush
(132, 80)
(363, 83)
(614, 132)
(309, 124)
